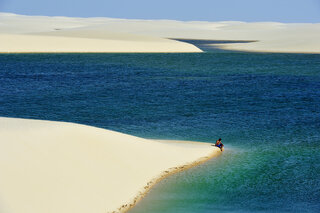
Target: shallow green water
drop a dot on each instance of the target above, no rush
(264, 106)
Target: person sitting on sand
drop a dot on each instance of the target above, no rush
(219, 144)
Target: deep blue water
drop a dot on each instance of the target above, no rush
(265, 107)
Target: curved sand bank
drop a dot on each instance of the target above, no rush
(63, 167)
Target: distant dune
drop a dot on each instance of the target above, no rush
(63, 167)
(23, 34)
(63, 34)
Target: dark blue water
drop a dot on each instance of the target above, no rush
(265, 107)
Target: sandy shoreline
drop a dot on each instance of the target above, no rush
(41, 34)
(55, 166)
(170, 171)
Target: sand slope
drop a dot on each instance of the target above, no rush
(64, 167)
(64, 34)
(23, 34)
(65, 44)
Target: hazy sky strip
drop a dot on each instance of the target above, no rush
(201, 10)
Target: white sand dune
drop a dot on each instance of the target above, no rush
(64, 167)
(67, 44)
(23, 34)
(64, 34)
(272, 37)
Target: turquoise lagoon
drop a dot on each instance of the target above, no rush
(265, 107)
